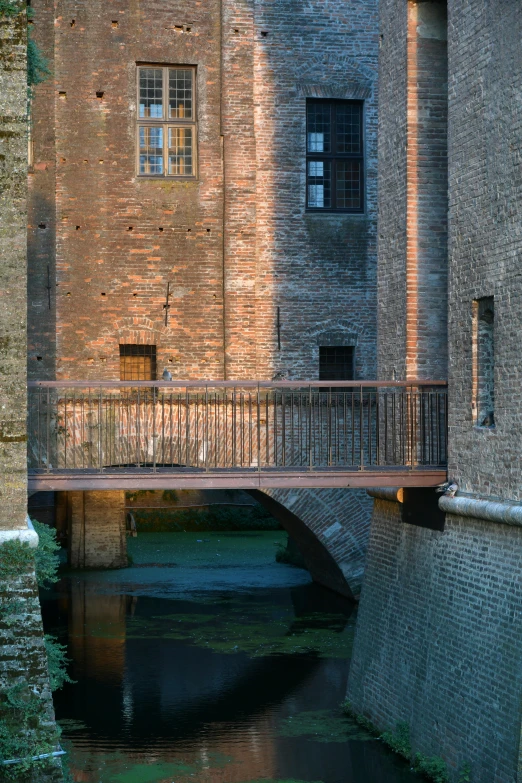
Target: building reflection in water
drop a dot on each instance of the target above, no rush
(140, 699)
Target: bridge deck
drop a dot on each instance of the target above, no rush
(233, 479)
(196, 434)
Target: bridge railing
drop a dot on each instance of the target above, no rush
(96, 426)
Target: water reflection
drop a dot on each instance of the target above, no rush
(221, 687)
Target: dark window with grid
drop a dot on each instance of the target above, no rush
(137, 362)
(334, 156)
(336, 363)
(166, 122)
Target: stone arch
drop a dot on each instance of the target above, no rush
(329, 526)
(331, 529)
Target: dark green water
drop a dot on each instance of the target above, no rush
(207, 662)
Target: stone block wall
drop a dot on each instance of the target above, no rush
(23, 657)
(439, 643)
(13, 278)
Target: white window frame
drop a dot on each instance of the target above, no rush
(167, 123)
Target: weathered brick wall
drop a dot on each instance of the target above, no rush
(13, 301)
(392, 141)
(108, 237)
(412, 274)
(41, 228)
(236, 243)
(427, 191)
(319, 269)
(96, 522)
(485, 239)
(438, 644)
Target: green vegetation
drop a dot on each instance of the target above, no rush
(27, 728)
(10, 7)
(46, 561)
(323, 726)
(216, 518)
(361, 720)
(271, 780)
(432, 767)
(289, 553)
(258, 633)
(37, 66)
(399, 740)
(465, 773)
(57, 662)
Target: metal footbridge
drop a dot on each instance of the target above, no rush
(87, 435)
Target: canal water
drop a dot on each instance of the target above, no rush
(208, 662)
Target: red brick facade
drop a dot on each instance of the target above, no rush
(236, 242)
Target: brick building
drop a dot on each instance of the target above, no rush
(439, 638)
(221, 160)
(170, 148)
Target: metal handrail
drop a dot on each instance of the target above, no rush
(251, 425)
(231, 384)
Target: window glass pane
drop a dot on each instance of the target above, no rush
(137, 362)
(180, 93)
(151, 150)
(151, 93)
(319, 130)
(319, 184)
(180, 152)
(348, 184)
(336, 363)
(348, 127)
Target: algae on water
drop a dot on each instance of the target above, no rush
(322, 726)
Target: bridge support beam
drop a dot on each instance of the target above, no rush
(96, 525)
(438, 645)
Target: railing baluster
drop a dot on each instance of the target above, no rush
(361, 429)
(310, 430)
(206, 428)
(96, 426)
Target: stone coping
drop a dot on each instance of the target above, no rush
(480, 508)
(501, 511)
(27, 534)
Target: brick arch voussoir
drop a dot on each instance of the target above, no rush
(330, 528)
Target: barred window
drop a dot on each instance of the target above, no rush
(334, 156)
(137, 362)
(166, 122)
(336, 363)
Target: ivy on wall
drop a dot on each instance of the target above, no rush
(37, 67)
(27, 727)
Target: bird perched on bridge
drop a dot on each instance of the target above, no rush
(448, 488)
(166, 375)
